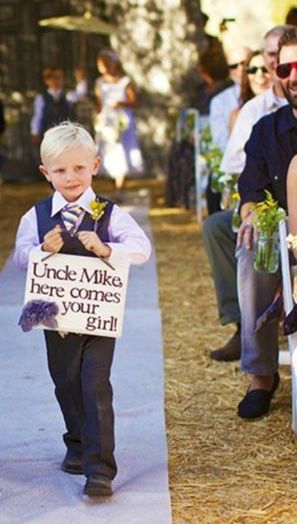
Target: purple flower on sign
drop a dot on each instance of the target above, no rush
(39, 312)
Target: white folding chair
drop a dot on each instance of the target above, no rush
(288, 357)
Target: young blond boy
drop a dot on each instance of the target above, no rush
(80, 365)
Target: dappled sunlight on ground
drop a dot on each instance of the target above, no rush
(221, 468)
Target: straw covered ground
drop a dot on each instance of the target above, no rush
(222, 469)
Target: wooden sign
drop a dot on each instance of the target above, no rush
(89, 294)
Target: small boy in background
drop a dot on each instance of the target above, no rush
(51, 105)
(80, 365)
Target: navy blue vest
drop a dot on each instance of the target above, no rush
(72, 245)
(54, 111)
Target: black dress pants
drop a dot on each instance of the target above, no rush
(80, 367)
(213, 200)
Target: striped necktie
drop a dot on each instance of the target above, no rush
(70, 215)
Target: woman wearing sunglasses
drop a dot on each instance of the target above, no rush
(255, 80)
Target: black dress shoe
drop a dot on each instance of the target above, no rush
(256, 403)
(98, 486)
(72, 463)
(230, 351)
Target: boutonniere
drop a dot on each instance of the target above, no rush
(97, 208)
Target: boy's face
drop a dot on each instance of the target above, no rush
(55, 80)
(71, 173)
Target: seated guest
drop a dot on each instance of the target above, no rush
(255, 80)
(270, 100)
(213, 70)
(219, 239)
(221, 107)
(225, 102)
(269, 151)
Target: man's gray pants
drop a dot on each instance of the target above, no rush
(220, 244)
(260, 316)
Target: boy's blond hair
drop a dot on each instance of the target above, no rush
(64, 137)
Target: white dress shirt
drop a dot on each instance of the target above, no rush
(126, 237)
(234, 156)
(80, 91)
(221, 106)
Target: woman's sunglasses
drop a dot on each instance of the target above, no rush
(284, 70)
(235, 66)
(252, 70)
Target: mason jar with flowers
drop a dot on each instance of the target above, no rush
(267, 215)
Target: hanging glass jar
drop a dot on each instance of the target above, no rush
(215, 183)
(226, 198)
(266, 257)
(236, 219)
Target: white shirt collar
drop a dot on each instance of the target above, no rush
(56, 93)
(58, 201)
(273, 101)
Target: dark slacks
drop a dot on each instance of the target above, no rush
(80, 367)
(213, 200)
(220, 243)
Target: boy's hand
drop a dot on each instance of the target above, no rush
(53, 240)
(92, 242)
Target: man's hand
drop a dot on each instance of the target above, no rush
(246, 232)
(53, 240)
(92, 242)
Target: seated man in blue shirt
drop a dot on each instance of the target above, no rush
(271, 147)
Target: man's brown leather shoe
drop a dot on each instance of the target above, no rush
(98, 486)
(72, 463)
(230, 351)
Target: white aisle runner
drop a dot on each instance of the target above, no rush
(33, 489)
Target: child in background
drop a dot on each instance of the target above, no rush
(80, 365)
(50, 106)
